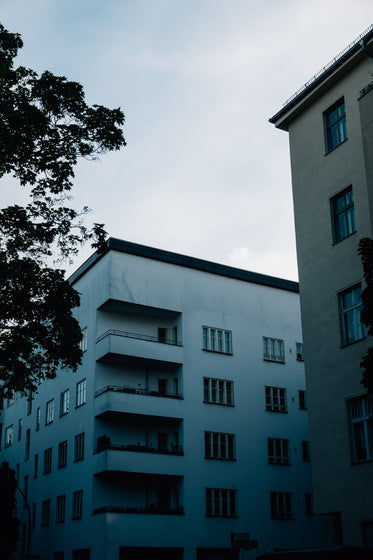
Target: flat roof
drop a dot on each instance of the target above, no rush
(336, 63)
(130, 248)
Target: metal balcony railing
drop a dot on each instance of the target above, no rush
(137, 391)
(104, 443)
(139, 336)
(153, 509)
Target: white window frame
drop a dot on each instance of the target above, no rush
(64, 402)
(299, 351)
(343, 214)
(273, 350)
(216, 340)
(220, 445)
(337, 125)
(9, 436)
(62, 454)
(38, 418)
(84, 340)
(350, 306)
(281, 505)
(81, 392)
(218, 391)
(221, 502)
(360, 415)
(79, 447)
(275, 398)
(278, 451)
(49, 412)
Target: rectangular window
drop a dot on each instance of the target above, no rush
(343, 215)
(360, 415)
(217, 391)
(350, 306)
(335, 125)
(11, 397)
(45, 512)
(36, 465)
(19, 429)
(306, 456)
(162, 335)
(47, 461)
(25, 486)
(221, 502)
(81, 389)
(302, 400)
(84, 340)
(29, 402)
(219, 446)
(49, 413)
(273, 350)
(33, 516)
(299, 351)
(162, 386)
(62, 454)
(79, 447)
(309, 504)
(60, 508)
(278, 451)
(275, 399)
(38, 416)
(77, 504)
(9, 435)
(281, 505)
(216, 340)
(64, 402)
(27, 447)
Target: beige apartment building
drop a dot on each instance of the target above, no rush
(330, 125)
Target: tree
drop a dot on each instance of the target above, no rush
(365, 251)
(45, 126)
(9, 524)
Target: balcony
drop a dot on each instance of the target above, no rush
(126, 400)
(152, 509)
(138, 459)
(122, 347)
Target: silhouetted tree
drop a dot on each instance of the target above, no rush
(45, 126)
(365, 251)
(9, 524)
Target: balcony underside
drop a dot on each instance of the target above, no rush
(116, 404)
(119, 306)
(113, 461)
(115, 359)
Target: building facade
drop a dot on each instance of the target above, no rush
(330, 125)
(186, 422)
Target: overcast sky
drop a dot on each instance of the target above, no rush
(204, 173)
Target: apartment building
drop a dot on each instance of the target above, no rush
(186, 422)
(330, 126)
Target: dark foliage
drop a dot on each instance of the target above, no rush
(365, 251)
(9, 524)
(45, 126)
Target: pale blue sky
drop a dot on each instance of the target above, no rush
(204, 173)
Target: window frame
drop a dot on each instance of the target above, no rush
(49, 412)
(221, 502)
(306, 452)
(220, 445)
(79, 448)
(218, 391)
(61, 508)
(273, 350)
(299, 351)
(83, 344)
(81, 392)
(62, 454)
(281, 506)
(278, 451)
(346, 312)
(340, 122)
(302, 396)
(9, 436)
(64, 402)
(77, 505)
(45, 512)
(275, 399)
(342, 230)
(217, 340)
(47, 463)
(363, 437)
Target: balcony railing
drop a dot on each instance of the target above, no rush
(139, 336)
(104, 443)
(137, 391)
(152, 509)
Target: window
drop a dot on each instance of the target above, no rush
(299, 351)
(36, 465)
(343, 215)
(25, 486)
(77, 504)
(162, 335)
(335, 125)
(62, 454)
(84, 340)
(278, 451)
(217, 391)
(45, 512)
(216, 340)
(221, 502)
(79, 447)
(49, 414)
(38, 416)
(361, 428)
(27, 447)
(309, 504)
(29, 402)
(219, 446)
(47, 461)
(273, 350)
(64, 402)
(350, 306)
(33, 516)
(81, 393)
(275, 399)
(19, 429)
(162, 386)
(11, 397)
(302, 400)
(60, 508)
(306, 456)
(281, 505)
(9, 436)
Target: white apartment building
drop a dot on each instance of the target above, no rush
(185, 423)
